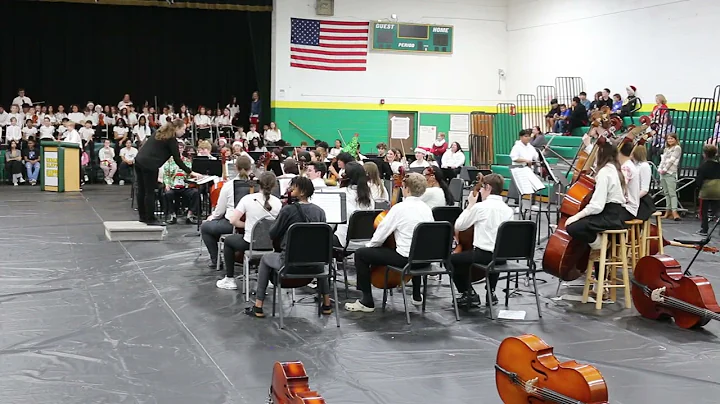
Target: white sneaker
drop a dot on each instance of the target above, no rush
(595, 245)
(357, 306)
(108, 181)
(226, 283)
(22, 180)
(433, 277)
(87, 179)
(15, 184)
(417, 302)
(122, 182)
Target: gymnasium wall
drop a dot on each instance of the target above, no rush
(659, 46)
(322, 102)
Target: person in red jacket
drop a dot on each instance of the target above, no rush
(438, 148)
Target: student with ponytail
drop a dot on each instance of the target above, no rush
(251, 209)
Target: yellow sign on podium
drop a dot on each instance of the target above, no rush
(60, 166)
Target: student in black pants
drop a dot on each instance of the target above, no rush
(152, 155)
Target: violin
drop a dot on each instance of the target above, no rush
(660, 290)
(527, 371)
(290, 385)
(101, 120)
(377, 272)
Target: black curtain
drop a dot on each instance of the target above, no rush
(65, 53)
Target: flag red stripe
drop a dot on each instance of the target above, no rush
(343, 38)
(344, 46)
(345, 31)
(331, 68)
(327, 60)
(329, 53)
(349, 23)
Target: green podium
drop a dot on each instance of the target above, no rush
(60, 166)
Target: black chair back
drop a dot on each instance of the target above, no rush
(432, 242)
(361, 225)
(242, 188)
(515, 241)
(309, 245)
(456, 188)
(446, 213)
(260, 238)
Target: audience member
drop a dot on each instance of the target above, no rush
(31, 158)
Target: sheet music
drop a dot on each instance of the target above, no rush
(206, 179)
(333, 203)
(526, 181)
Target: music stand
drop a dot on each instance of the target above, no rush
(206, 166)
(698, 243)
(275, 167)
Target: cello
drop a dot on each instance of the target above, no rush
(290, 385)
(527, 371)
(378, 272)
(216, 187)
(660, 290)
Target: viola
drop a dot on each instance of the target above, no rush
(527, 371)
(290, 385)
(377, 272)
(660, 290)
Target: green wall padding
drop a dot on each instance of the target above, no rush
(505, 132)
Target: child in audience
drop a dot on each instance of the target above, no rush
(86, 134)
(15, 113)
(13, 159)
(28, 131)
(107, 161)
(252, 133)
(560, 121)
(120, 132)
(31, 158)
(60, 115)
(47, 131)
(240, 133)
(617, 104)
(13, 131)
(142, 130)
(127, 157)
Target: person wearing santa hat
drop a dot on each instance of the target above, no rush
(420, 161)
(632, 102)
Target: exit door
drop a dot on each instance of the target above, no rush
(401, 131)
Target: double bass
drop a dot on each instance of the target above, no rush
(527, 371)
(660, 290)
(290, 385)
(378, 272)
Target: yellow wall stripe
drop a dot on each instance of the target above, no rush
(163, 3)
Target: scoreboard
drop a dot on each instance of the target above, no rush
(418, 38)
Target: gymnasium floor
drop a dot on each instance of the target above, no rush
(84, 320)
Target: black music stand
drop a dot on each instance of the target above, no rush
(698, 243)
(275, 167)
(205, 166)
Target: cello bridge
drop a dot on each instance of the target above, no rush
(658, 295)
(529, 385)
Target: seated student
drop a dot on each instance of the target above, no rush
(176, 187)
(631, 174)
(485, 217)
(617, 104)
(552, 115)
(605, 210)
(316, 172)
(647, 204)
(29, 131)
(127, 161)
(420, 161)
(395, 159)
(204, 150)
(300, 211)
(708, 181)
(13, 163)
(578, 115)
(31, 158)
(452, 161)
(523, 152)
(377, 187)
(342, 159)
(335, 150)
(13, 132)
(357, 197)
(437, 193)
(47, 131)
(400, 221)
(218, 223)
(290, 171)
(252, 208)
(631, 102)
(106, 155)
(561, 120)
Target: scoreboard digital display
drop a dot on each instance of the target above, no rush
(418, 38)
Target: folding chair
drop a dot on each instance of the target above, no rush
(308, 255)
(260, 244)
(361, 227)
(515, 242)
(456, 189)
(431, 243)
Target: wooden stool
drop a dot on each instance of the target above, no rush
(646, 237)
(617, 239)
(635, 244)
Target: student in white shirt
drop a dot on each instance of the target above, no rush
(234, 107)
(485, 217)
(60, 115)
(523, 152)
(202, 122)
(256, 145)
(127, 161)
(120, 132)
(29, 130)
(205, 149)
(315, 172)
(125, 102)
(605, 210)
(47, 131)
(13, 131)
(4, 117)
(107, 161)
(252, 133)
(273, 135)
(240, 133)
(335, 150)
(631, 174)
(86, 133)
(437, 193)
(400, 221)
(420, 161)
(15, 113)
(452, 161)
(75, 115)
(647, 204)
(142, 130)
(132, 117)
(225, 119)
(393, 158)
(357, 197)
(377, 187)
(290, 171)
(254, 207)
(72, 136)
(88, 116)
(218, 223)
(21, 99)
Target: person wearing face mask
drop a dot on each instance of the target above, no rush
(154, 153)
(486, 217)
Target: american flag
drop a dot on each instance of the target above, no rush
(329, 45)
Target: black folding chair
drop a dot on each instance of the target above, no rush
(260, 244)
(361, 227)
(446, 213)
(431, 243)
(515, 242)
(308, 255)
